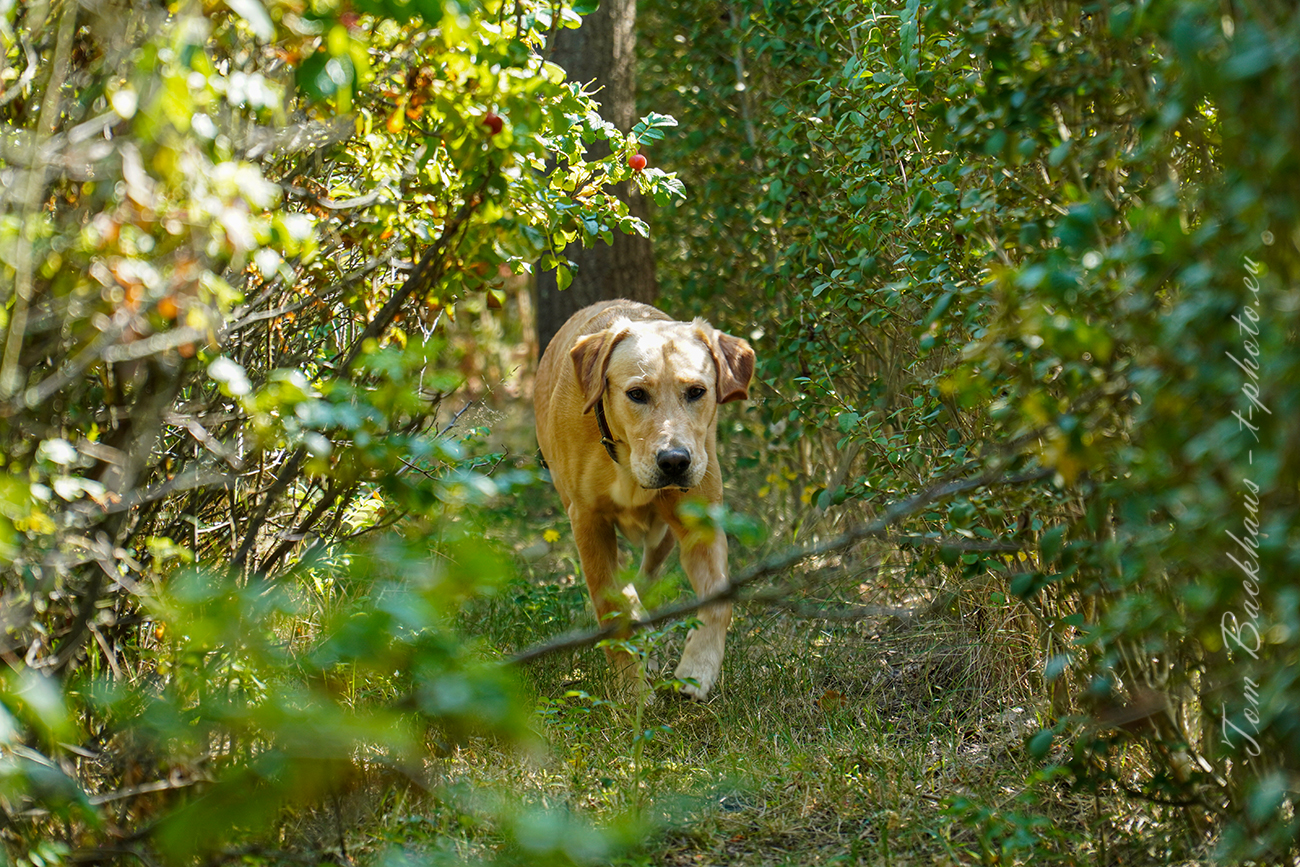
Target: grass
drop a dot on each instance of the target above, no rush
(825, 744)
(894, 739)
(827, 741)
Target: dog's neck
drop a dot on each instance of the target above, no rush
(606, 437)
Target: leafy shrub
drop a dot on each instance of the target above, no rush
(233, 233)
(979, 240)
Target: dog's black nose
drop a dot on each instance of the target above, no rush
(673, 463)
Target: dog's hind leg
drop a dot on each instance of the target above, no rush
(658, 545)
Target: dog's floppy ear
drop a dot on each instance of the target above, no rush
(735, 361)
(591, 362)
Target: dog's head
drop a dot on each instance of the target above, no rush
(661, 382)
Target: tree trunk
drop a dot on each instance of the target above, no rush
(603, 50)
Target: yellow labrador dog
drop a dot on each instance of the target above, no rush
(627, 401)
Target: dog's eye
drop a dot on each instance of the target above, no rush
(695, 392)
(637, 395)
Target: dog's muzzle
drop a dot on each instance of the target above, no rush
(674, 467)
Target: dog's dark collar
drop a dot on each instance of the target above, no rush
(606, 438)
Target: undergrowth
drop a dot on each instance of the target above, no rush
(894, 737)
(876, 715)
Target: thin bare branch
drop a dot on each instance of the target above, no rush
(780, 562)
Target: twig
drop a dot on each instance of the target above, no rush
(779, 563)
(24, 266)
(254, 526)
(334, 204)
(776, 599)
(455, 418)
(432, 265)
(186, 481)
(146, 788)
(427, 273)
(70, 646)
(959, 543)
(51, 385)
(155, 344)
(323, 505)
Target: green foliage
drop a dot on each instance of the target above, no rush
(1050, 247)
(978, 238)
(231, 238)
(1014, 835)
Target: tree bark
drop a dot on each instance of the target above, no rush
(602, 50)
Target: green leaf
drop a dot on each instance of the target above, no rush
(1049, 543)
(908, 39)
(648, 128)
(1025, 584)
(940, 307)
(1056, 666)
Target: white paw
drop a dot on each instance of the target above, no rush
(701, 663)
(693, 692)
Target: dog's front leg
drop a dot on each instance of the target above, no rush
(705, 562)
(598, 551)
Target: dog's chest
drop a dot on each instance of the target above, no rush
(636, 524)
(625, 495)
(637, 512)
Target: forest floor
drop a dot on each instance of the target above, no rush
(871, 718)
(897, 738)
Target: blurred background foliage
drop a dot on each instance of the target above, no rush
(258, 258)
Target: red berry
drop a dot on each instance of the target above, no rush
(493, 122)
(637, 162)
